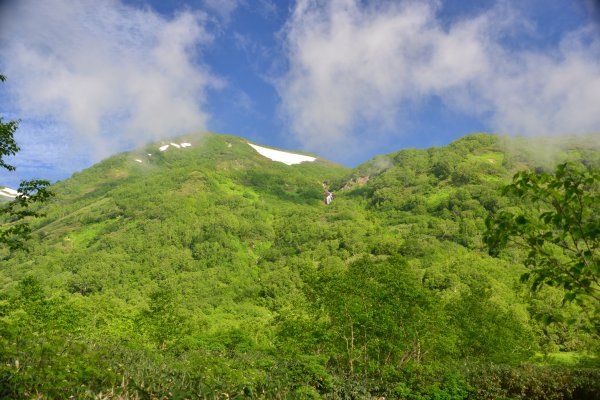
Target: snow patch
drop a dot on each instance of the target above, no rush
(282, 156)
(8, 192)
(177, 145)
(138, 160)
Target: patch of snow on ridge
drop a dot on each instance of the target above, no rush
(282, 156)
(8, 192)
(178, 145)
(138, 160)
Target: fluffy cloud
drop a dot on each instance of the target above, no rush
(113, 75)
(541, 93)
(352, 64)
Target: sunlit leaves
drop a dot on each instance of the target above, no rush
(558, 224)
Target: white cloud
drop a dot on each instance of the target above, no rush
(224, 8)
(548, 93)
(352, 65)
(115, 75)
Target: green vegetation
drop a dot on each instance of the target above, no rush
(18, 212)
(562, 234)
(212, 272)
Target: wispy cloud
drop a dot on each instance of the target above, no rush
(112, 75)
(352, 64)
(224, 8)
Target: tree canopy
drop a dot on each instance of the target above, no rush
(213, 272)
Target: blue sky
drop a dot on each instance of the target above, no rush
(345, 79)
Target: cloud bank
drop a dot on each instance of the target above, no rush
(352, 65)
(112, 75)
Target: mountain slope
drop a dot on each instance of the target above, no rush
(126, 228)
(209, 269)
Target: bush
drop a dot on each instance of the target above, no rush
(531, 382)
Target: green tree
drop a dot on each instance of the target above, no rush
(162, 320)
(558, 225)
(15, 229)
(8, 146)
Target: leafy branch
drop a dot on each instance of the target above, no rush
(559, 225)
(15, 229)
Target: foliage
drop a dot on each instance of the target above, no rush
(19, 212)
(560, 229)
(8, 146)
(16, 229)
(212, 272)
(530, 382)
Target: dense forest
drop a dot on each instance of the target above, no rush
(213, 272)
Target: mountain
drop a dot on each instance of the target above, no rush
(203, 267)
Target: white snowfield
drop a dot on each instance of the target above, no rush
(282, 156)
(165, 147)
(274, 155)
(177, 145)
(8, 192)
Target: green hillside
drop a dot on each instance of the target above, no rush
(213, 272)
